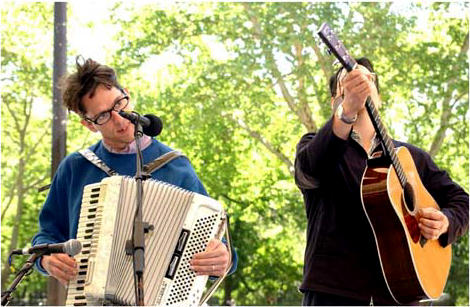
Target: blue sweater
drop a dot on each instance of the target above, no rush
(58, 219)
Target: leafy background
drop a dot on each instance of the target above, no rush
(237, 85)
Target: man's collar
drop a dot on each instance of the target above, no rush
(145, 141)
(375, 141)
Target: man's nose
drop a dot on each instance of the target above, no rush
(115, 116)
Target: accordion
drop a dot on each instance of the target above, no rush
(182, 222)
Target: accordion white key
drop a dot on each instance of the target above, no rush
(183, 223)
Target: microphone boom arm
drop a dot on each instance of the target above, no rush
(6, 295)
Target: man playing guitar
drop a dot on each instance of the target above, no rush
(341, 262)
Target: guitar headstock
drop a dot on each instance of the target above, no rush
(336, 47)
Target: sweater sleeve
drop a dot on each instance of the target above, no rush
(195, 185)
(316, 154)
(53, 218)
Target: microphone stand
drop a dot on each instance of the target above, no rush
(138, 240)
(6, 295)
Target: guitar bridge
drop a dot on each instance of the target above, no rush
(422, 241)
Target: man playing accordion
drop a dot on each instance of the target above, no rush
(94, 93)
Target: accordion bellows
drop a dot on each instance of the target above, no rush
(183, 223)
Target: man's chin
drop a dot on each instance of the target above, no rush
(129, 137)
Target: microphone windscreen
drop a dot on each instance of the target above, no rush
(72, 247)
(155, 126)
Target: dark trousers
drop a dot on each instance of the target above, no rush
(314, 298)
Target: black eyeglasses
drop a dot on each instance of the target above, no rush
(105, 116)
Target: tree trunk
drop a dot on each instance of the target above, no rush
(228, 285)
(60, 69)
(55, 291)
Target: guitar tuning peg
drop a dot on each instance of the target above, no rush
(328, 51)
(336, 62)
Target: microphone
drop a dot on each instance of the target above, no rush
(151, 125)
(71, 247)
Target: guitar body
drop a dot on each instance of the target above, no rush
(413, 267)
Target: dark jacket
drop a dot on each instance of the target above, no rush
(341, 256)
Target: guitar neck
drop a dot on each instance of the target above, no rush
(336, 47)
(385, 139)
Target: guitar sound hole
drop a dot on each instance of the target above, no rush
(410, 220)
(408, 196)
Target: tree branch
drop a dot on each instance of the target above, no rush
(256, 135)
(15, 119)
(440, 134)
(32, 149)
(457, 99)
(10, 200)
(304, 111)
(446, 107)
(244, 204)
(322, 62)
(36, 182)
(303, 115)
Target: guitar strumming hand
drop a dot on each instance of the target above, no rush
(432, 223)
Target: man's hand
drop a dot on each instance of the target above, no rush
(357, 86)
(432, 223)
(213, 261)
(353, 87)
(61, 266)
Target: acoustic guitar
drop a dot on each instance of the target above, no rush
(392, 193)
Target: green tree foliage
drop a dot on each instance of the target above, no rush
(26, 79)
(237, 85)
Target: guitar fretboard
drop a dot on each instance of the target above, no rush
(385, 140)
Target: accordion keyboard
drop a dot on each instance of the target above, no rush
(88, 228)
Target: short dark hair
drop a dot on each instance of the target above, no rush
(84, 81)
(361, 61)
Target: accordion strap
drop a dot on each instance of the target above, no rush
(96, 161)
(148, 168)
(162, 161)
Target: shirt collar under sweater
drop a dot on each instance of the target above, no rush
(145, 141)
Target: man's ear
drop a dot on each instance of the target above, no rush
(88, 125)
